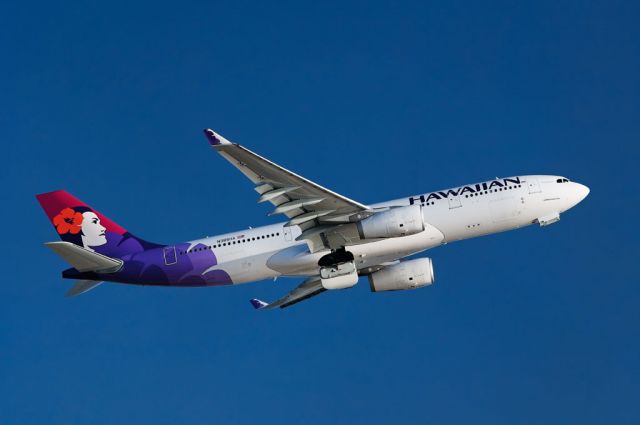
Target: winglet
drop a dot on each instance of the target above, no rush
(258, 304)
(214, 138)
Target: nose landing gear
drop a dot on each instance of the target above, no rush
(548, 219)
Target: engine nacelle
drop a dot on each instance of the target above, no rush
(393, 223)
(405, 275)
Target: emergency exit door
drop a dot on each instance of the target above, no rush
(454, 202)
(170, 255)
(534, 185)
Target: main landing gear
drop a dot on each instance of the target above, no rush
(338, 270)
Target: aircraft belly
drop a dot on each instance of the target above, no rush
(370, 254)
(295, 261)
(247, 269)
(298, 261)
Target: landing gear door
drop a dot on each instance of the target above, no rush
(534, 185)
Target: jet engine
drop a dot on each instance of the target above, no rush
(404, 275)
(393, 223)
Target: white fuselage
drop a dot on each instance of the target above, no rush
(449, 215)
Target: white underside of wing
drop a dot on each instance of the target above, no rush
(307, 289)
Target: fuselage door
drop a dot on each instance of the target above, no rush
(169, 255)
(534, 185)
(287, 233)
(454, 202)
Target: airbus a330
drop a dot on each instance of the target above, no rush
(328, 239)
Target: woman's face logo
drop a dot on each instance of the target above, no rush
(92, 231)
(80, 227)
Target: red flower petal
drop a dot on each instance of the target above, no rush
(74, 229)
(77, 219)
(58, 219)
(67, 213)
(63, 228)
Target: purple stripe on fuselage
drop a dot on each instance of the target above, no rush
(150, 268)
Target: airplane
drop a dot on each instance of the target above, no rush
(328, 239)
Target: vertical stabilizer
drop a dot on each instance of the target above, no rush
(79, 224)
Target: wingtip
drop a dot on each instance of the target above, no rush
(214, 138)
(258, 304)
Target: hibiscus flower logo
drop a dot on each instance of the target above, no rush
(68, 221)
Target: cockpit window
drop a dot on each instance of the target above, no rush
(562, 180)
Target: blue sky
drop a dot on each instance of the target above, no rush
(373, 100)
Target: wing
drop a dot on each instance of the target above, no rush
(304, 202)
(307, 289)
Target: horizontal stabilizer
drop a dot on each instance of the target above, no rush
(81, 287)
(84, 260)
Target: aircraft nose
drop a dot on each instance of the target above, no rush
(582, 191)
